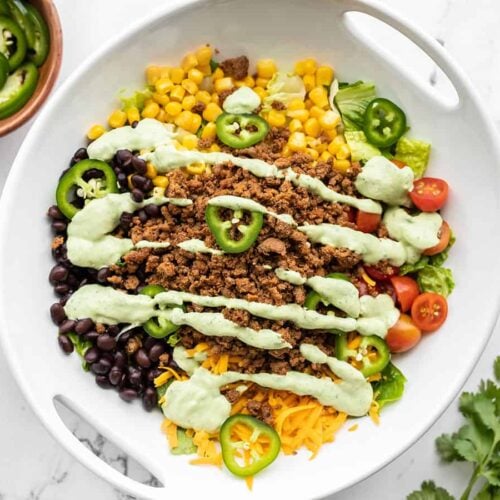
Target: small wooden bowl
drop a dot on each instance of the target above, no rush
(48, 72)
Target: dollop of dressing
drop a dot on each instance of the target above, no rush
(198, 246)
(148, 134)
(198, 404)
(244, 100)
(90, 243)
(381, 180)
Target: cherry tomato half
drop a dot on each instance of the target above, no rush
(368, 223)
(399, 163)
(429, 194)
(429, 311)
(404, 335)
(379, 275)
(444, 240)
(406, 291)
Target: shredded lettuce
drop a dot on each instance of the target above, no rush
(284, 87)
(81, 347)
(185, 445)
(360, 148)
(136, 99)
(391, 387)
(414, 153)
(436, 279)
(352, 101)
(332, 92)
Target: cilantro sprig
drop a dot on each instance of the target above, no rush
(477, 442)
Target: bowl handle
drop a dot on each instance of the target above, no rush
(425, 42)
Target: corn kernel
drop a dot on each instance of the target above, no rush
(295, 125)
(177, 93)
(162, 116)
(218, 74)
(297, 142)
(305, 67)
(189, 61)
(161, 99)
(299, 114)
(203, 96)
(195, 75)
(165, 72)
(215, 98)
(117, 118)
(204, 54)
(266, 68)
(190, 141)
(133, 114)
(223, 84)
(151, 171)
(309, 103)
(339, 139)
(173, 108)
(329, 120)
(325, 156)
(190, 86)
(195, 168)
(319, 96)
(262, 93)
(341, 165)
(189, 102)
(152, 74)
(151, 110)
(147, 101)
(160, 181)
(205, 69)
(214, 148)
(343, 152)
(309, 82)
(311, 127)
(188, 121)
(177, 75)
(276, 118)
(211, 112)
(312, 153)
(316, 112)
(209, 131)
(324, 75)
(249, 81)
(262, 82)
(163, 85)
(333, 147)
(296, 104)
(331, 134)
(286, 151)
(95, 132)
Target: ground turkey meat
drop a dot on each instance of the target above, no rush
(236, 67)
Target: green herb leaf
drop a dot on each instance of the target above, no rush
(430, 491)
(391, 387)
(81, 347)
(445, 445)
(185, 444)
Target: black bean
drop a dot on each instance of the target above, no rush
(54, 213)
(149, 399)
(92, 173)
(80, 154)
(72, 281)
(92, 355)
(156, 351)
(142, 359)
(101, 367)
(139, 181)
(108, 358)
(64, 299)
(128, 394)
(120, 359)
(148, 185)
(137, 195)
(103, 382)
(149, 342)
(122, 180)
(57, 313)
(68, 325)
(62, 290)
(102, 275)
(58, 274)
(139, 164)
(125, 220)
(113, 330)
(134, 376)
(115, 375)
(59, 226)
(134, 124)
(106, 342)
(124, 337)
(143, 216)
(84, 326)
(92, 335)
(152, 374)
(65, 344)
(124, 157)
(152, 210)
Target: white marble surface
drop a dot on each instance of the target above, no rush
(33, 466)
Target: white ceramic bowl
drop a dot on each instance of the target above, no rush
(465, 153)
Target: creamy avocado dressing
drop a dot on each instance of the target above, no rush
(198, 246)
(292, 277)
(148, 134)
(244, 100)
(378, 314)
(198, 404)
(185, 362)
(89, 243)
(381, 180)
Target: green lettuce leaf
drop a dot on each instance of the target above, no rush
(429, 491)
(436, 279)
(352, 101)
(360, 148)
(284, 87)
(81, 347)
(391, 387)
(136, 99)
(185, 444)
(414, 153)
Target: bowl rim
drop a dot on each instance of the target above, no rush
(407, 28)
(11, 123)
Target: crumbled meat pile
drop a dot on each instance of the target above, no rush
(248, 275)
